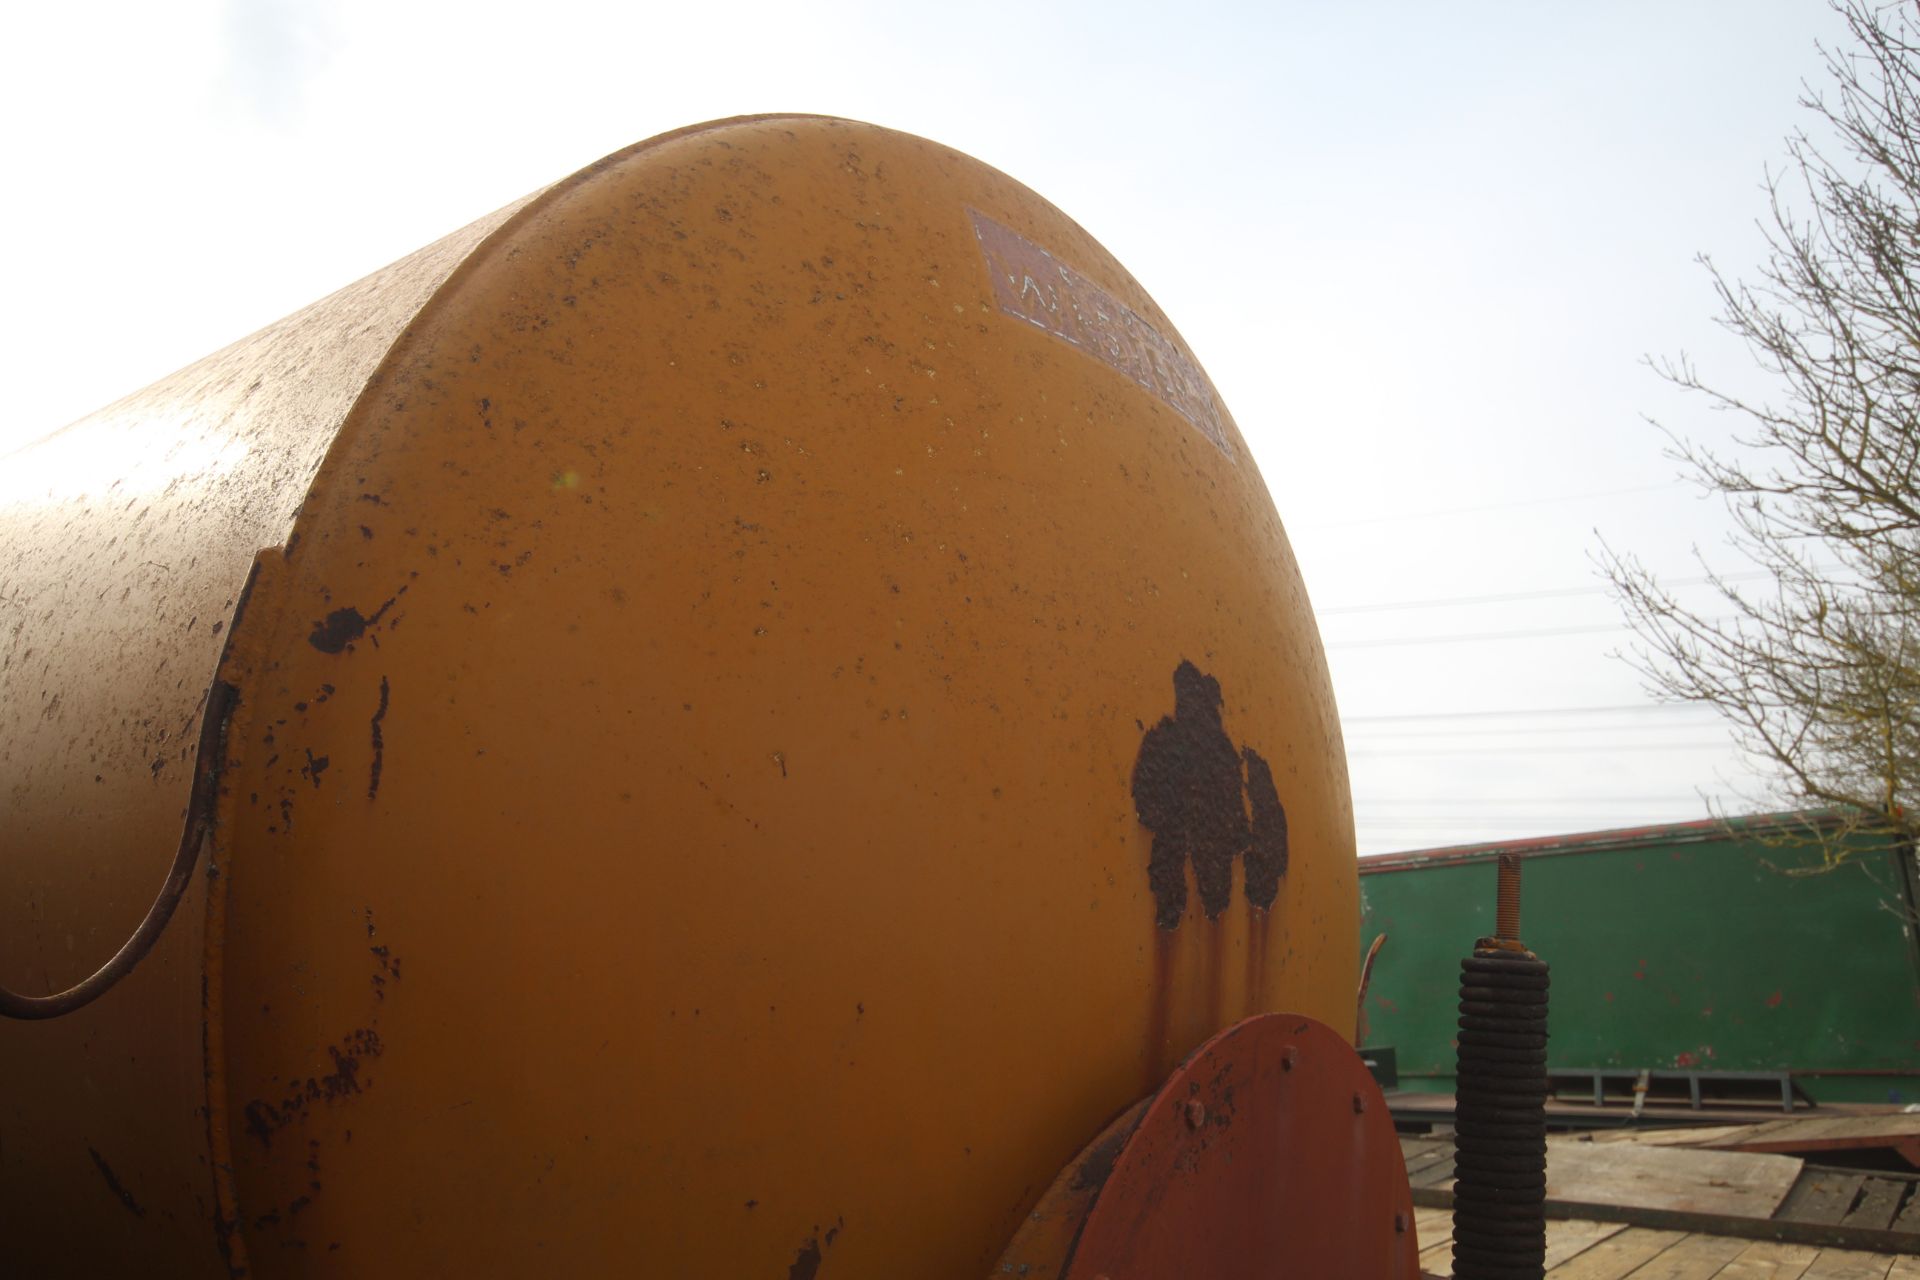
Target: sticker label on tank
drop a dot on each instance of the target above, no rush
(1032, 285)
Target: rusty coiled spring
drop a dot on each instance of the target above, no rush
(1500, 1152)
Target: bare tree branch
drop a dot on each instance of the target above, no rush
(1818, 672)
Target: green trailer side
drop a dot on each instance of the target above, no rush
(1687, 947)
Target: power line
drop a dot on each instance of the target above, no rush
(1437, 513)
(1509, 597)
(1400, 734)
(1497, 830)
(1503, 801)
(1522, 749)
(1528, 633)
(1492, 820)
(1523, 633)
(1494, 817)
(1640, 708)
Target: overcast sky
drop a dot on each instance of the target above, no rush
(1422, 250)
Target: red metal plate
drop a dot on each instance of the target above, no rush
(1268, 1153)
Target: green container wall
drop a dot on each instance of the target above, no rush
(1672, 947)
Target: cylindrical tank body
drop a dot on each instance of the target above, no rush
(770, 701)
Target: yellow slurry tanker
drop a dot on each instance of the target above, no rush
(742, 716)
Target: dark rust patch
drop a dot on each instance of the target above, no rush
(389, 965)
(1186, 791)
(1096, 1166)
(345, 1076)
(1189, 791)
(114, 1185)
(1267, 852)
(266, 1118)
(806, 1263)
(379, 743)
(262, 1120)
(341, 628)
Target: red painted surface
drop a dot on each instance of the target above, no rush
(1268, 1153)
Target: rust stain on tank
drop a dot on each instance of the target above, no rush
(806, 1262)
(379, 745)
(1186, 791)
(1160, 1003)
(1266, 862)
(338, 630)
(1256, 984)
(265, 1118)
(1207, 803)
(1216, 989)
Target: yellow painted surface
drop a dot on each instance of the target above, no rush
(679, 809)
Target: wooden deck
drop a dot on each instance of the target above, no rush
(1615, 1251)
(1807, 1135)
(1695, 1205)
(1566, 1113)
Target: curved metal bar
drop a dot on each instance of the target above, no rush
(209, 759)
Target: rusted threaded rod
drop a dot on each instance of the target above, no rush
(1506, 915)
